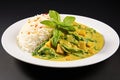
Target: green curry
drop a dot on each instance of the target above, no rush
(70, 40)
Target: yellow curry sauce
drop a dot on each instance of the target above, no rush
(82, 43)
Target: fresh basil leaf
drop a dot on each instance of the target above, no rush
(54, 15)
(56, 37)
(68, 20)
(48, 23)
(65, 27)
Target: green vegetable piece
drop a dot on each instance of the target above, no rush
(56, 36)
(68, 20)
(77, 37)
(47, 53)
(67, 28)
(54, 16)
(76, 52)
(94, 31)
(35, 52)
(91, 40)
(48, 23)
(71, 39)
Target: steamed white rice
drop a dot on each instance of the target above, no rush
(33, 33)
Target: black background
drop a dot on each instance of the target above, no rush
(105, 11)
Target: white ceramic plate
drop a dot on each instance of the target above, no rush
(111, 44)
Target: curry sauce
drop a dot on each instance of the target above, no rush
(81, 43)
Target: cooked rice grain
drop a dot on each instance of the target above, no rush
(33, 33)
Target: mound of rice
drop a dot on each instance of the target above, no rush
(33, 33)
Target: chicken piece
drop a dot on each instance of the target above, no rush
(82, 32)
(82, 45)
(48, 44)
(59, 49)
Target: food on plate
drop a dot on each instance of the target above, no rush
(33, 33)
(49, 37)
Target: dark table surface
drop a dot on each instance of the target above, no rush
(105, 11)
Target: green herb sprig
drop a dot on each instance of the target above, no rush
(58, 25)
(56, 22)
